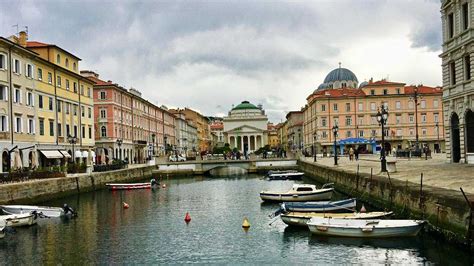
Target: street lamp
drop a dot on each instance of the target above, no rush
(119, 143)
(314, 146)
(72, 140)
(334, 131)
(415, 96)
(382, 117)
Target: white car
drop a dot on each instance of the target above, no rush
(180, 158)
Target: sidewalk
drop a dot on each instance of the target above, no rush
(436, 171)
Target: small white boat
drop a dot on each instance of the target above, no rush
(2, 229)
(126, 186)
(285, 175)
(364, 228)
(40, 210)
(16, 220)
(299, 192)
(302, 218)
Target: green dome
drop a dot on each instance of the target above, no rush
(245, 105)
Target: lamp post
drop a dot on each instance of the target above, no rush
(382, 117)
(314, 146)
(334, 131)
(119, 143)
(72, 140)
(437, 132)
(415, 96)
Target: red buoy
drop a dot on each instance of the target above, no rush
(187, 218)
(125, 205)
(363, 209)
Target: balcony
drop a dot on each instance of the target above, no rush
(140, 142)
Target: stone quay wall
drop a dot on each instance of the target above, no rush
(446, 210)
(35, 191)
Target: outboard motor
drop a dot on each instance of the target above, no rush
(68, 210)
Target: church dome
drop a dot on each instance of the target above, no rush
(245, 105)
(340, 74)
(363, 84)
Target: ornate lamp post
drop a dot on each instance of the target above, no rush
(415, 96)
(314, 146)
(72, 140)
(334, 131)
(119, 143)
(382, 117)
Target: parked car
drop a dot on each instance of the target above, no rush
(180, 158)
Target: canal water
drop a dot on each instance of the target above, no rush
(153, 231)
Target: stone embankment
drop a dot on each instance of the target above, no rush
(446, 210)
(34, 191)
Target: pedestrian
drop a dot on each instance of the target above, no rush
(351, 154)
(356, 154)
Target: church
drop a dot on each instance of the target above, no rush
(245, 127)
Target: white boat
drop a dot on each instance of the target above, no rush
(284, 175)
(299, 192)
(40, 210)
(127, 186)
(2, 229)
(16, 220)
(364, 228)
(302, 218)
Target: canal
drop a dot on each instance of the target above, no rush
(153, 231)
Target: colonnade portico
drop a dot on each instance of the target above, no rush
(253, 141)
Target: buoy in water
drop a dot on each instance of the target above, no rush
(246, 223)
(362, 209)
(187, 217)
(125, 205)
(164, 185)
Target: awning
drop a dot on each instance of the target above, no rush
(93, 154)
(85, 154)
(55, 154)
(78, 154)
(66, 154)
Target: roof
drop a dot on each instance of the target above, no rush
(245, 105)
(36, 44)
(340, 74)
(100, 82)
(383, 82)
(217, 126)
(423, 89)
(344, 92)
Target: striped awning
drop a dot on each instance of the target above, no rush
(65, 154)
(52, 154)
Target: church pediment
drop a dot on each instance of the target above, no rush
(244, 129)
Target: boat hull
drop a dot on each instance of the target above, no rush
(328, 206)
(302, 219)
(17, 220)
(125, 186)
(286, 176)
(2, 232)
(383, 228)
(27, 209)
(321, 194)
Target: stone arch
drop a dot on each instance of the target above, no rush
(455, 138)
(469, 134)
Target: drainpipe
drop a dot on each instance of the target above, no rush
(56, 102)
(10, 92)
(80, 111)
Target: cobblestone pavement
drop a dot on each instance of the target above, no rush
(436, 171)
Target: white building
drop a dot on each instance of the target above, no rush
(245, 128)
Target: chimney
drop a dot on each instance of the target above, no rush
(23, 38)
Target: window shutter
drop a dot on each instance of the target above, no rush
(26, 70)
(32, 99)
(7, 124)
(19, 67)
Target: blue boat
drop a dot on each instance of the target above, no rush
(347, 205)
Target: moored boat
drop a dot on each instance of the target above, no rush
(2, 229)
(299, 192)
(302, 218)
(364, 228)
(346, 205)
(40, 210)
(16, 220)
(126, 186)
(285, 175)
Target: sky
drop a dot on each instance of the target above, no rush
(211, 55)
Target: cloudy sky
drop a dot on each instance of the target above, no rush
(209, 55)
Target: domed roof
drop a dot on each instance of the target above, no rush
(340, 74)
(245, 105)
(321, 87)
(363, 84)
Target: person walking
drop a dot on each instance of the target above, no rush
(351, 154)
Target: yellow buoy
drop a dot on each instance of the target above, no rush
(246, 223)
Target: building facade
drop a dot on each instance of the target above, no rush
(217, 132)
(295, 130)
(414, 114)
(245, 127)
(273, 140)
(458, 87)
(128, 127)
(202, 125)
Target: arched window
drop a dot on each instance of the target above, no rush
(74, 66)
(58, 59)
(67, 62)
(103, 131)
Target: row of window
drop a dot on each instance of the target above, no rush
(466, 60)
(66, 62)
(374, 133)
(31, 127)
(373, 119)
(29, 72)
(450, 21)
(374, 107)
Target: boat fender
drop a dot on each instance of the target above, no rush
(362, 209)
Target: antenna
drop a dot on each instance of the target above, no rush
(16, 25)
(26, 29)
(339, 64)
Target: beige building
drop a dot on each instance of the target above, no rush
(458, 86)
(295, 130)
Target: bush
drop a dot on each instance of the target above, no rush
(73, 168)
(263, 149)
